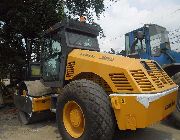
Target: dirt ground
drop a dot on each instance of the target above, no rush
(12, 129)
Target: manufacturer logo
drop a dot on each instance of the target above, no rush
(107, 58)
(169, 105)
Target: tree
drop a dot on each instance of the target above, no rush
(23, 21)
(85, 7)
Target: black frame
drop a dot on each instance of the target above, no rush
(27, 72)
(61, 30)
(79, 47)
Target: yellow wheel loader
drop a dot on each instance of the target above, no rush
(93, 92)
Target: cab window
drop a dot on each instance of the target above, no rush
(75, 39)
(35, 70)
(51, 62)
(138, 47)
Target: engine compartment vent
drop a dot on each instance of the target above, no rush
(121, 82)
(158, 75)
(170, 81)
(70, 69)
(142, 80)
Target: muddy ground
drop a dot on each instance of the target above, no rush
(12, 129)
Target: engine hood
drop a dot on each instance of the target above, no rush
(122, 74)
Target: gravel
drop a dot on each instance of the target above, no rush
(12, 129)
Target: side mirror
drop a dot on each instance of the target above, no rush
(140, 35)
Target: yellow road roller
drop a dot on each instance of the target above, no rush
(92, 93)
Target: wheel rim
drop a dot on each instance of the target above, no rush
(73, 119)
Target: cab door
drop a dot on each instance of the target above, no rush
(51, 61)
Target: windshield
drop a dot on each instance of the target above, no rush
(158, 36)
(51, 48)
(82, 40)
(50, 55)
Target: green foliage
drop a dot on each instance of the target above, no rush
(30, 17)
(23, 21)
(85, 7)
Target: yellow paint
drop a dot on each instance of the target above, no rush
(73, 119)
(134, 115)
(24, 93)
(124, 75)
(132, 76)
(41, 104)
(123, 101)
(115, 103)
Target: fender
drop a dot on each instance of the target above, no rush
(172, 69)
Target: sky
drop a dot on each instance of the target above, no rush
(126, 15)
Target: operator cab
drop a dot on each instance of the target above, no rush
(58, 42)
(147, 41)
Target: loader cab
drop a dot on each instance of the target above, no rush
(155, 40)
(58, 42)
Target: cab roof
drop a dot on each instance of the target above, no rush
(147, 26)
(75, 25)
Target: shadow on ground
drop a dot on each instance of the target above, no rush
(140, 134)
(170, 122)
(10, 127)
(143, 134)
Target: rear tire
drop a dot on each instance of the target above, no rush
(96, 107)
(175, 117)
